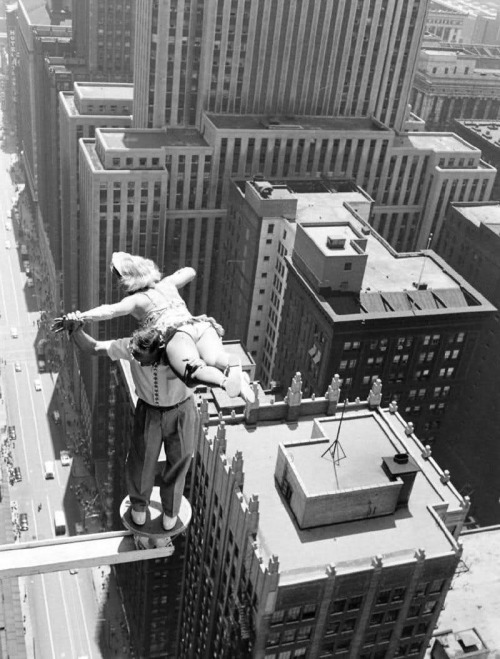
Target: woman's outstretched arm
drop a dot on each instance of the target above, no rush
(181, 277)
(129, 305)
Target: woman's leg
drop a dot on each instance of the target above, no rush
(185, 361)
(212, 352)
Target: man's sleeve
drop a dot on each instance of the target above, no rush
(118, 349)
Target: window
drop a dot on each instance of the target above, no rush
(348, 266)
(270, 228)
(293, 614)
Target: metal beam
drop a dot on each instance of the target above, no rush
(80, 551)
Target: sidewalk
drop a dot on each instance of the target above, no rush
(114, 628)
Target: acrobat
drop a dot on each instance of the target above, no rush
(193, 344)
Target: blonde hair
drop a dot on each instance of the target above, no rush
(136, 273)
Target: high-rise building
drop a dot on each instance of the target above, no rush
(355, 307)
(484, 135)
(463, 21)
(454, 82)
(470, 243)
(273, 57)
(103, 33)
(318, 530)
(89, 106)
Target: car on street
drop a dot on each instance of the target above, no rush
(23, 521)
(56, 417)
(73, 571)
(14, 333)
(11, 431)
(7, 244)
(17, 367)
(17, 474)
(48, 469)
(65, 458)
(38, 385)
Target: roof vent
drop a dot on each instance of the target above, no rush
(401, 458)
(335, 243)
(264, 188)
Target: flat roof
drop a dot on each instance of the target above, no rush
(352, 463)
(474, 599)
(89, 91)
(133, 139)
(185, 137)
(446, 142)
(265, 122)
(365, 437)
(488, 130)
(37, 12)
(385, 271)
(320, 234)
(487, 214)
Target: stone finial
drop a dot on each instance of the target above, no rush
(333, 393)
(393, 407)
(253, 504)
(221, 430)
(426, 453)
(375, 395)
(313, 396)
(233, 414)
(420, 554)
(377, 561)
(274, 564)
(294, 395)
(204, 415)
(409, 429)
(445, 477)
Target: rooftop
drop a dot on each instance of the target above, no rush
(255, 123)
(390, 279)
(366, 437)
(482, 213)
(437, 142)
(133, 139)
(474, 599)
(37, 13)
(91, 91)
(488, 130)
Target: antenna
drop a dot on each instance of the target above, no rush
(335, 447)
(423, 262)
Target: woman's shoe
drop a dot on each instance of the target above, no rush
(237, 383)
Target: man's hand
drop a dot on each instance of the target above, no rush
(69, 322)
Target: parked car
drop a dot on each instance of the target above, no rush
(11, 431)
(17, 367)
(17, 474)
(48, 469)
(7, 244)
(38, 385)
(14, 333)
(65, 458)
(23, 521)
(56, 417)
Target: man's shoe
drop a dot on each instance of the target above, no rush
(138, 517)
(169, 522)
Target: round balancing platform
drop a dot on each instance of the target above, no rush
(152, 534)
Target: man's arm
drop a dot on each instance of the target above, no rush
(88, 344)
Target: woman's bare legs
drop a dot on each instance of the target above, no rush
(184, 359)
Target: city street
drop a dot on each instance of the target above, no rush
(68, 614)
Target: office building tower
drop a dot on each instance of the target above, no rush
(103, 33)
(463, 21)
(318, 530)
(484, 135)
(456, 81)
(355, 307)
(327, 59)
(470, 243)
(81, 111)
